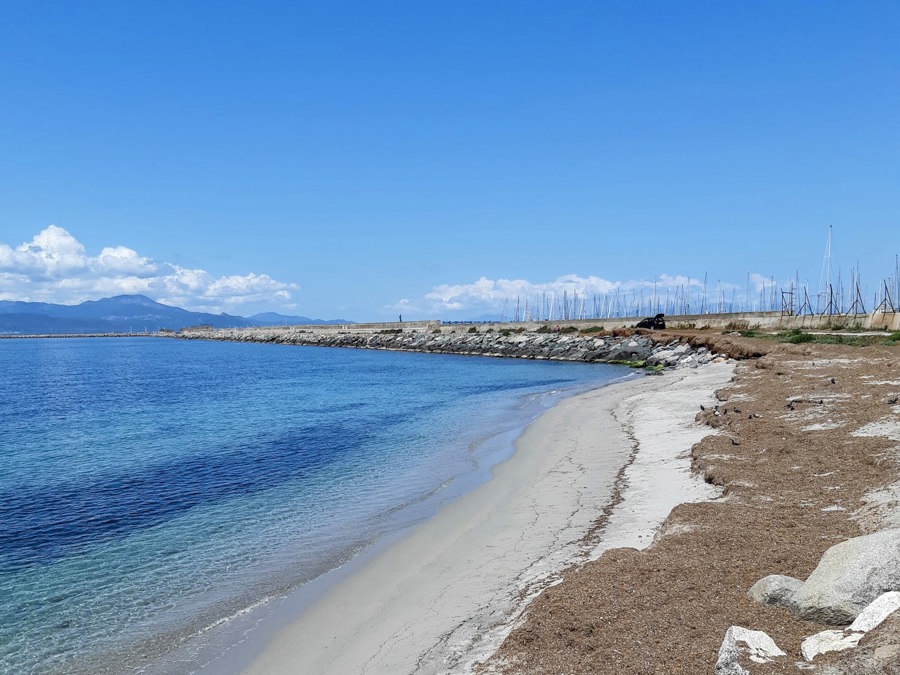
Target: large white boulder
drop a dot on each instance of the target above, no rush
(849, 576)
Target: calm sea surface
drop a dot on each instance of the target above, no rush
(153, 488)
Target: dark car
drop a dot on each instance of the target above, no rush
(653, 322)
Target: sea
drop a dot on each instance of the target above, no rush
(153, 490)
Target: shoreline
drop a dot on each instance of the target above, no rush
(444, 596)
(226, 646)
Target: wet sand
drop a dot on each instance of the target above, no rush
(598, 471)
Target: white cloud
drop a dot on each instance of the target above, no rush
(759, 282)
(51, 254)
(582, 295)
(55, 267)
(124, 260)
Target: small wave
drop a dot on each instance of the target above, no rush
(418, 499)
(231, 617)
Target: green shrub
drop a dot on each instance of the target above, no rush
(630, 364)
(796, 336)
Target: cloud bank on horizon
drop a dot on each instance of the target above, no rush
(55, 267)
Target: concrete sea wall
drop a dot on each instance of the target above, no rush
(731, 321)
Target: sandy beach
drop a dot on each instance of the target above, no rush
(598, 471)
(626, 530)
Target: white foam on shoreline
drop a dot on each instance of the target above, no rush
(444, 597)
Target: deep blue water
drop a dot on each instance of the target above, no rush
(150, 488)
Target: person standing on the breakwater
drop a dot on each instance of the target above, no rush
(401, 318)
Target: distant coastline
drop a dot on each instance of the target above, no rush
(126, 314)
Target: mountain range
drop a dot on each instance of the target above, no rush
(126, 314)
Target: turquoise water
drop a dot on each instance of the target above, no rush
(151, 488)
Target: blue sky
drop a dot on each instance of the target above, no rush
(362, 159)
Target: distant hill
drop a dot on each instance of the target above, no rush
(121, 314)
(274, 319)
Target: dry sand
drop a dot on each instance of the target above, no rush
(597, 471)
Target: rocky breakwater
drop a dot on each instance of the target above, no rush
(635, 349)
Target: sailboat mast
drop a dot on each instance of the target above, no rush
(825, 277)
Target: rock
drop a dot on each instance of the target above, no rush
(485, 341)
(849, 576)
(775, 589)
(631, 350)
(873, 615)
(828, 641)
(664, 357)
(879, 653)
(839, 640)
(688, 362)
(738, 642)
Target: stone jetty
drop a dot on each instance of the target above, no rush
(636, 348)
